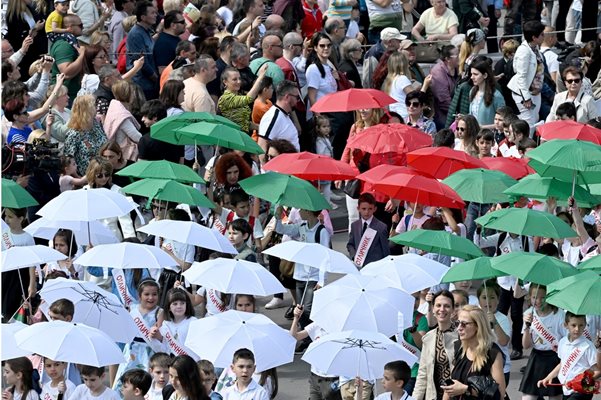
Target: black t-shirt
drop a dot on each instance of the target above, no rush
(154, 150)
(164, 49)
(463, 365)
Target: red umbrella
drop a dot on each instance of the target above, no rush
(441, 162)
(569, 130)
(517, 168)
(311, 166)
(390, 138)
(352, 99)
(382, 171)
(419, 189)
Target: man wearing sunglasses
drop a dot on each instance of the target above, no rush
(68, 59)
(164, 47)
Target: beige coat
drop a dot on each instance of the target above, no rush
(425, 387)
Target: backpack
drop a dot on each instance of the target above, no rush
(503, 235)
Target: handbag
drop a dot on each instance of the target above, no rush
(352, 188)
(485, 387)
(426, 53)
(343, 83)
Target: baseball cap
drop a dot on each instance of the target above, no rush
(391, 33)
(405, 44)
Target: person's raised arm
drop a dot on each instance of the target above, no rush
(298, 335)
(138, 64)
(578, 222)
(254, 91)
(38, 113)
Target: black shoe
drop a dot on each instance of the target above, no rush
(301, 347)
(515, 355)
(523, 369)
(289, 314)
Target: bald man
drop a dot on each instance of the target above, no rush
(272, 50)
(274, 23)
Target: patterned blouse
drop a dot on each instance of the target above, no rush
(425, 125)
(84, 145)
(236, 107)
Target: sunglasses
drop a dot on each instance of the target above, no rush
(103, 175)
(461, 129)
(463, 324)
(413, 104)
(80, 25)
(570, 81)
(324, 46)
(183, 21)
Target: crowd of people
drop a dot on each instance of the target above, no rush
(89, 79)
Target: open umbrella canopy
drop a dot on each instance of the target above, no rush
(536, 187)
(168, 190)
(356, 353)
(440, 242)
(525, 221)
(311, 166)
(210, 133)
(175, 122)
(390, 138)
(420, 189)
(379, 172)
(592, 264)
(408, 272)
(480, 185)
(161, 169)
(68, 342)
(26, 256)
(94, 232)
(217, 337)
(517, 168)
(476, 269)
(569, 130)
(352, 99)
(579, 294)
(285, 190)
(533, 267)
(10, 349)
(86, 205)
(440, 162)
(234, 276)
(15, 196)
(126, 256)
(567, 160)
(314, 255)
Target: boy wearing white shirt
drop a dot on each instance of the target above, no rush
(57, 384)
(93, 387)
(396, 374)
(245, 387)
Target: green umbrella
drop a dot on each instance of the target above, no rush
(285, 190)
(162, 169)
(168, 190)
(525, 221)
(480, 185)
(592, 264)
(176, 122)
(478, 268)
(579, 294)
(209, 133)
(568, 160)
(14, 196)
(533, 267)
(537, 187)
(441, 242)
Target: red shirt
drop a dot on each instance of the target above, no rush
(312, 21)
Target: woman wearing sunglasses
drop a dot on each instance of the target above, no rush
(584, 103)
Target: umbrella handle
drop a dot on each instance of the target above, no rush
(304, 292)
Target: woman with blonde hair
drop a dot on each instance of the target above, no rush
(119, 124)
(61, 113)
(398, 82)
(102, 39)
(476, 354)
(85, 134)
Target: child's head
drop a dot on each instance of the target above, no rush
(484, 141)
(309, 215)
(177, 214)
(185, 378)
(135, 384)
(366, 205)
(18, 372)
(461, 299)
(92, 377)
(54, 369)
(322, 126)
(575, 325)
(500, 114)
(463, 285)
(153, 111)
(488, 295)
(178, 305)
(61, 310)
(240, 202)
(222, 197)
(238, 231)
(525, 145)
(434, 224)
(15, 218)
(519, 129)
(159, 368)
(68, 165)
(245, 302)
(207, 374)
(566, 112)
(65, 242)
(396, 375)
(506, 127)
(537, 294)
(61, 6)
(266, 88)
(243, 365)
(148, 292)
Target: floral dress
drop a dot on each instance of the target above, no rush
(84, 145)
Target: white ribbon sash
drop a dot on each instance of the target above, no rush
(364, 245)
(119, 277)
(544, 333)
(144, 330)
(174, 345)
(411, 348)
(569, 363)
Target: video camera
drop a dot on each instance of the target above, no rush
(27, 158)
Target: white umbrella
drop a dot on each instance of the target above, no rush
(74, 343)
(361, 302)
(86, 205)
(98, 234)
(94, 307)
(126, 256)
(234, 276)
(355, 353)
(314, 255)
(10, 349)
(408, 272)
(217, 337)
(27, 256)
(189, 232)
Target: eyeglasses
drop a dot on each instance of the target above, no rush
(103, 175)
(463, 324)
(183, 21)
(413, 104)
(461, 129)
(570, 81)
(357, 49)
(295, 96)
(104, 57)
(80, 25)
(324, 46)
(297, 44)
